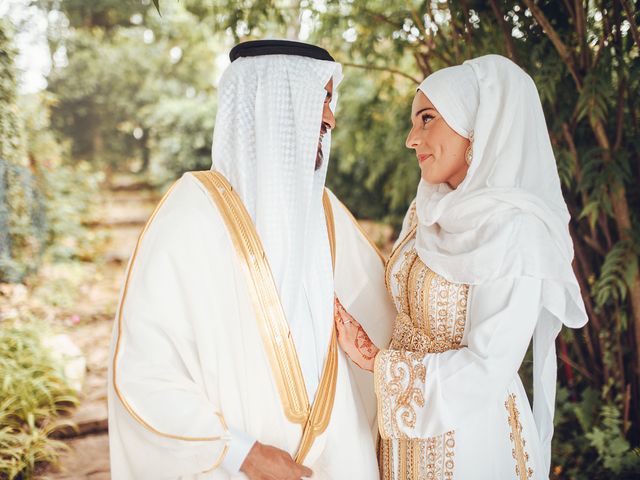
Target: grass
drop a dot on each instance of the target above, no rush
(34, 397)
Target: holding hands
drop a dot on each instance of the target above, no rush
(353, 339)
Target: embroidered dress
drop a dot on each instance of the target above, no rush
(450, 402)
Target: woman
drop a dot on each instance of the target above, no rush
(482, 266)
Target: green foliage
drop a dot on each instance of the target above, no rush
(11, 144)
(34, 395)
(595, 445)
(21, 223)
(366, 164)
(119, 76)
(151, 77)
(43, 200)
(181, 129)
(620, 264)
(612, 446)
(69, 192)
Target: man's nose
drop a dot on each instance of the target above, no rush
(328, 118)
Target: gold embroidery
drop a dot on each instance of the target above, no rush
(432, 310)
(384, 459)
(402, 300)
(407, 337)
(274, 327)
(431, 318)
(446, 312)
(394, 257)
(399, 382)
(413, 218)
(419, 283)
(402, 447)
(520, 455)
(418, 458)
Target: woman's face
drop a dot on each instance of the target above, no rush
(440, 150)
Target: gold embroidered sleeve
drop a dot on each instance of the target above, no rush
(399, 376)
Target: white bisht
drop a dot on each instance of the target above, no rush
(225, 326)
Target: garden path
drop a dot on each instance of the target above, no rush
(121, 216)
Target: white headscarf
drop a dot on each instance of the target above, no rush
(508, 217)
(265, 143)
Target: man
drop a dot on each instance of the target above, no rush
(224, 357)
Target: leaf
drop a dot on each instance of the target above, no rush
(157, 5)
(612, 284)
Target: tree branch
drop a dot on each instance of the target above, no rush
(382, 18)
(467, 25)
(620, 114)
(423, 64)
(508, 39)
(632, 21)
(581, 30)
(563, 50)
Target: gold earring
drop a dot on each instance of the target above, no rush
(468, 154)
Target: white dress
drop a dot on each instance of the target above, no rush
(450, 402)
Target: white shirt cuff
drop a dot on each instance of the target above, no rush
(239, 447)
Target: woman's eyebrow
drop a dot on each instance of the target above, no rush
(423, 110)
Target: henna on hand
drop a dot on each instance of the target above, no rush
(354, 340)
(364, 344)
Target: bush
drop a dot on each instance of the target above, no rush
(34, 394)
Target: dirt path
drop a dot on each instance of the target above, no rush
(121, 217)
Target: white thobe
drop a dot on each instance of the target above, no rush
(189, 369)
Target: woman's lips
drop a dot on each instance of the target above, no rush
(422, 157)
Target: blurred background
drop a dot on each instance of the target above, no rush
(104, 103)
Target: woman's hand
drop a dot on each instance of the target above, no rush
(353, 339)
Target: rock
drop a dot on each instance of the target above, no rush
(69, 355)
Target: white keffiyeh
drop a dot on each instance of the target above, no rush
(265, 143)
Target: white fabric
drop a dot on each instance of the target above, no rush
(190, 348)
(240, 443)
(508, 217)
(265, 143)
(457, 97)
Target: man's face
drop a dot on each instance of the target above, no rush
(328, 121)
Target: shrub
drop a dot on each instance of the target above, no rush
(34, 395)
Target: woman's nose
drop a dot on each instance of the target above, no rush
(412, 139)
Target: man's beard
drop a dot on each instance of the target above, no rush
(319, 157)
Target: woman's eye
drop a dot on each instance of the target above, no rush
(426, 118)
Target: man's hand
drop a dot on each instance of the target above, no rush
(353, 339)
(265, 462)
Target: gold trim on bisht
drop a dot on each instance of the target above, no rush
(272, 322)
(124, 402)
